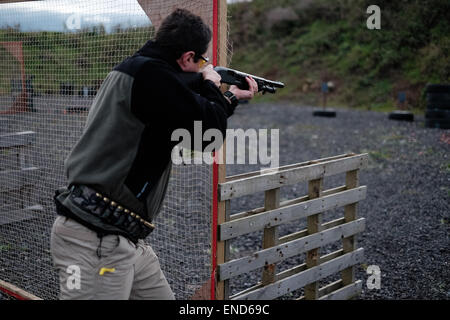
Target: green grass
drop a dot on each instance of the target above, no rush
(5, 247)
(379, 155)
(329, 42)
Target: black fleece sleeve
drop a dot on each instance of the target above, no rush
(162, 100)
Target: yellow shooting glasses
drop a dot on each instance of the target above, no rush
(202, 61)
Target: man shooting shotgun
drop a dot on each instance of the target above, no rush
(119, 169)
(238, 79)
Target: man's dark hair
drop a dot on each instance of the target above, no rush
(183, 31)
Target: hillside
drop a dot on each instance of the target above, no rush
(299, 42)
(83, 58)
(304, 43)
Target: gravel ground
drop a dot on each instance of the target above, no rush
(408, 188)
(406, 209)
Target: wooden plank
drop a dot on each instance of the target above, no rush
(336, 285)
(331, 255)
(347, 292)
(293, 236)
(17, 139)
(302, 267)
(314, 225)
(333, 223)
(286, 203)
(222, 288)
(270, 236)
(292, 271)
(287, 167)
(287, 250)
(16, 292)
(238, 227)
(16, 179)
(19, 214)
(329, 288)
(350, 213)
(294, 282)
(304, 232)
(273, 180)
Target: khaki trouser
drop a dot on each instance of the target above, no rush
(111, 267)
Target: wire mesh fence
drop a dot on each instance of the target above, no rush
(53, 58)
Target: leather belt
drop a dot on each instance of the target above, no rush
(111, 212)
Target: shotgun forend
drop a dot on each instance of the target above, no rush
(237, 78)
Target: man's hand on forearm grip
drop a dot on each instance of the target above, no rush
(245, 94)
(211, 75)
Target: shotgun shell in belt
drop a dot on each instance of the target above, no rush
(148, 224)
(118, 212)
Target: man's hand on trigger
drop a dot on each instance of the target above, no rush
(245, 94)
(209, 74)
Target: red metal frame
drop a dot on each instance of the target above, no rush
(13, 294)
(215, 167)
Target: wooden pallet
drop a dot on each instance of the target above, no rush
(309, 241)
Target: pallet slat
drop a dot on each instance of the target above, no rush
(304, 232)
(350, 213)
(331, 287)
(290, 166)
(279, 253)
(273, 180)
(285, 203)
(295, 270)
(347, 292)
(270, 237)
(275, 217)
(294, 282)
(314, 225)
(17, 139)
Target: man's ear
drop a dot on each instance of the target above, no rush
(186, 58)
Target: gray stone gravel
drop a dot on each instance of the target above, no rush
(407, 207)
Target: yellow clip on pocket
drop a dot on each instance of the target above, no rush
(103, 270)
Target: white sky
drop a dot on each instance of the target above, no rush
(52, 15)
(77, 6)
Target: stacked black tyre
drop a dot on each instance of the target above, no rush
(437, 114)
